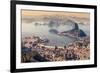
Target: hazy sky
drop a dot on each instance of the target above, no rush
(52, 13)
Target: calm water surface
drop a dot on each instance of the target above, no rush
(43, 32)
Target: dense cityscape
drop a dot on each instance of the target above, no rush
(34, 50)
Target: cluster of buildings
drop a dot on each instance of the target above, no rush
(78, 50)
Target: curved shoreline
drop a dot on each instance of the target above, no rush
(49, 46)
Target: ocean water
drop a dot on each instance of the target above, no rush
(42, 30)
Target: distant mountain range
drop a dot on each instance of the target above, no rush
(57, 19)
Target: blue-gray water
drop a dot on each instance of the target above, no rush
(43, 32)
